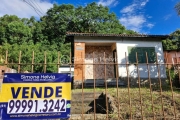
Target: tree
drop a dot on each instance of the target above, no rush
(26, 56)
(16, 30)
(173, 42)
(92, 18)
(48, 34)
(177, 7)
(18, 33)
(37, 28)
(6, 23)
(25, 35)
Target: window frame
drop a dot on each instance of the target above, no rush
(141, 53)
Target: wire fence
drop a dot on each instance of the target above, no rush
(125, 96)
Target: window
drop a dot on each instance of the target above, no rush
(141, 54)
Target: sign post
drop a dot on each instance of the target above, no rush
(35, 96)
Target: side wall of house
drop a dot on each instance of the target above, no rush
(122, 48)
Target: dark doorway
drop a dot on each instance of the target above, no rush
(115, 58)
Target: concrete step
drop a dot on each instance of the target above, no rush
(88, 99)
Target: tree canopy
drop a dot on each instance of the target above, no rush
(177, 7)
(92, 18)
(173, 42)
(48, 34)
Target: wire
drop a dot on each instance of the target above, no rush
(38, 5)
(33, 4)
(32, 7)
(36, 10)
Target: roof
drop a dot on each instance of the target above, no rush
(115, 35)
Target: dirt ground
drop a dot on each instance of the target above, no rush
(154, 105)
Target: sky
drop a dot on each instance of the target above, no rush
(157, 17)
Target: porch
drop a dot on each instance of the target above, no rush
(96, 62)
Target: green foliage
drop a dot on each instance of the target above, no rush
(26, 56)
(18, 33)
(174, 76)
(169, 44)
(172, 43)
(48, 34)
(6, 24)
(92, 18)
(177, 7)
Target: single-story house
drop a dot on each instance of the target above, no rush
(91, 51)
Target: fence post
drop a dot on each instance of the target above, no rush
(19, 63)
(149, 79)
(129, 95)
(139, 83)
(82, 87)
(94, 87)
(107, 112)
(117, 83)
(160, 85)
(32, 66)
(6, 60)
(45, 62)
(58, 63)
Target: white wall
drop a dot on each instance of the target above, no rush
(65, 69)
(122, 48)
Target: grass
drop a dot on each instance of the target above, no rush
(131, 102)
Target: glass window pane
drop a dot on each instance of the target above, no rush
(141, 53)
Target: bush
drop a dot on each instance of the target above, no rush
(174, 77)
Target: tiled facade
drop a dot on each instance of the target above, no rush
(99, 70)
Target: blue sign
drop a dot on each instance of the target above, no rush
(35, 96)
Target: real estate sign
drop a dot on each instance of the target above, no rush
(35, 96)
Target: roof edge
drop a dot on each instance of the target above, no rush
(114, 35)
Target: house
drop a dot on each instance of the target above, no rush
(172, 57)
(112, 57)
